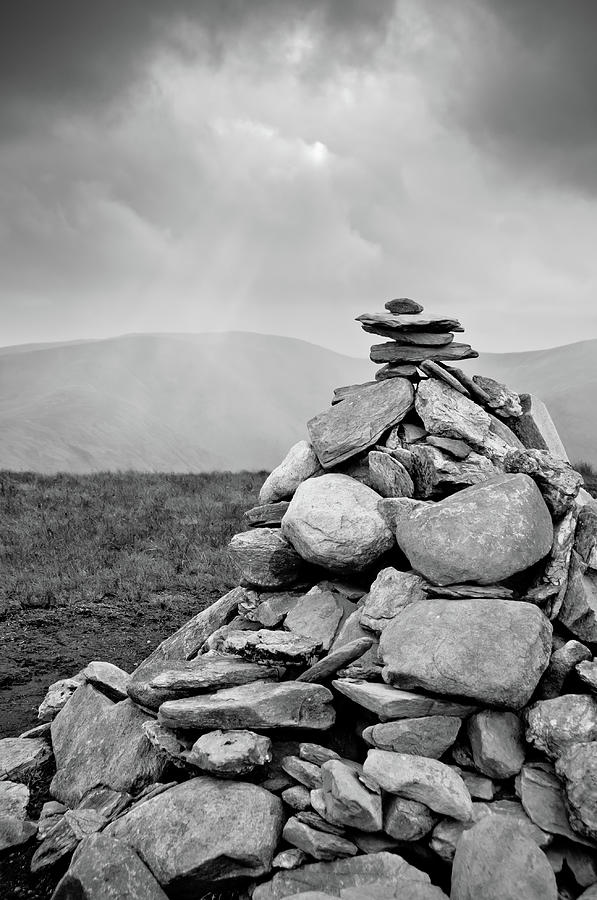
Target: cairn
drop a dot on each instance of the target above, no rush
(398, 701)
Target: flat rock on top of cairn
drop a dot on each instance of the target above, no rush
(403, 323)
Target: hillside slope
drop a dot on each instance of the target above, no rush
(181, 403)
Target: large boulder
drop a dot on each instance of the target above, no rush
(299, 464)
(202, 832)
(98, 742)
(333, 521)
(436, 645)
(495, 860)
(485, 533)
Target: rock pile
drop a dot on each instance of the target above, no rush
(398, 701)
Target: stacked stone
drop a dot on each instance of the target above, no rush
(399, 700)
(417, 342)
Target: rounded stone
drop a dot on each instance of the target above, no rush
(333, 521)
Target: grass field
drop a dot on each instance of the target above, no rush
(103, 567)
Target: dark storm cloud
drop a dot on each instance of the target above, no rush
(73, 56)
(525, 86)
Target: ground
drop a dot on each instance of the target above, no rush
(101, 567)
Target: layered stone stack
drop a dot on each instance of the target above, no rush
(398, 701)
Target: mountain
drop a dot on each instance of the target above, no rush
(177, 402)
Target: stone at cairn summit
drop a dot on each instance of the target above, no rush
(406, 672)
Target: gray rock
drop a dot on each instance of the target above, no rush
(336, 659)
(289, 859)
(558, 481)
(419, 778)
(436, 644)
(391, 703)
(258, 705)
(203, 832)
(297, 797)
(299, 464)
(466, 591)
(569, 719)
(350, 630)
(269, 515)
(359, 421)
(497, 743)
(97, 742)
(410, 323)
(107, 678)
(589, 894)
(268, 609)
(153, 685)
(577, 766)
(578, 612)
(484, 533)
(341, 393)
(317, 754)
(214, 644)
(390, 593)
(393, 352)
(38, 731)
(562, 662)
(582, 862)
(318, 615)
(403, 306)
(332, 521)
(318, 844)
(428, 736)
(542, 797)
(446, 413)
(407, 820)
(457, 448)
(479, 787)
(497, 862)
(587, 672)
(336, 876)
(15, 828)
(475, 469)
(230, 753)
(57, 696)
(501, 399)
(406, 371)
(535, 428)
(106, 869)
(272, 647)
(347, 799)
(21, 759)
(314, 820)
(306, 773)
(435, 370)
(585, 539)
(388, 476)
(166, 742)
(50, 815)
(265, 558)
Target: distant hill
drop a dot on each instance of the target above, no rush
(169, 402)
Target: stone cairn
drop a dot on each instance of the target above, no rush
(398, 701)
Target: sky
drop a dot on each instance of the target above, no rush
(281, 166)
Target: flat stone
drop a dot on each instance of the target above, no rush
(299, 464)
(407, 820)
(436, 644)
(107, 678)
(267, 515)
(15, 828)
(499, 397)
(332, 521)
(318, 844)
(314, 820)
(341, 393)
(457, 448)
(316, 754)
(265, 558)
(473, 470)
(587, 672)
(103, 868)
(483, 534)
(289, 859)
(366, 668)
(97, 742)
(185, 643)
(317, 616)
(347, 799)
(271, 647)
(578, 612)
(325, 668)
(497, 862)
(391, 592)
(230, 753)
(558, 481)
(403, 306)
(340, 875)
(542, 797)
(405, 371)
(569, 719)
(204, 832)
(38, 731)
(214, 644)
(297, 797)
(469, 591)
(401, 324)
(535, 428)
(258, 705)
(497, 743)
(50, 815)
(392, 703)
(398, 353)
(270, 608)
(419, 778)
(577, 767)
(425, 736)
(435, 370)
(170, 680)
(21, 759)
(57, 696)
(562, 662)
(388, 476)
(359, 421)
(411, 338)
(447, 413)
(479, 787)
(167, 743)
(306, 773)
(350, 630)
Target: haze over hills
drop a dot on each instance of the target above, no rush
(178, 402)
